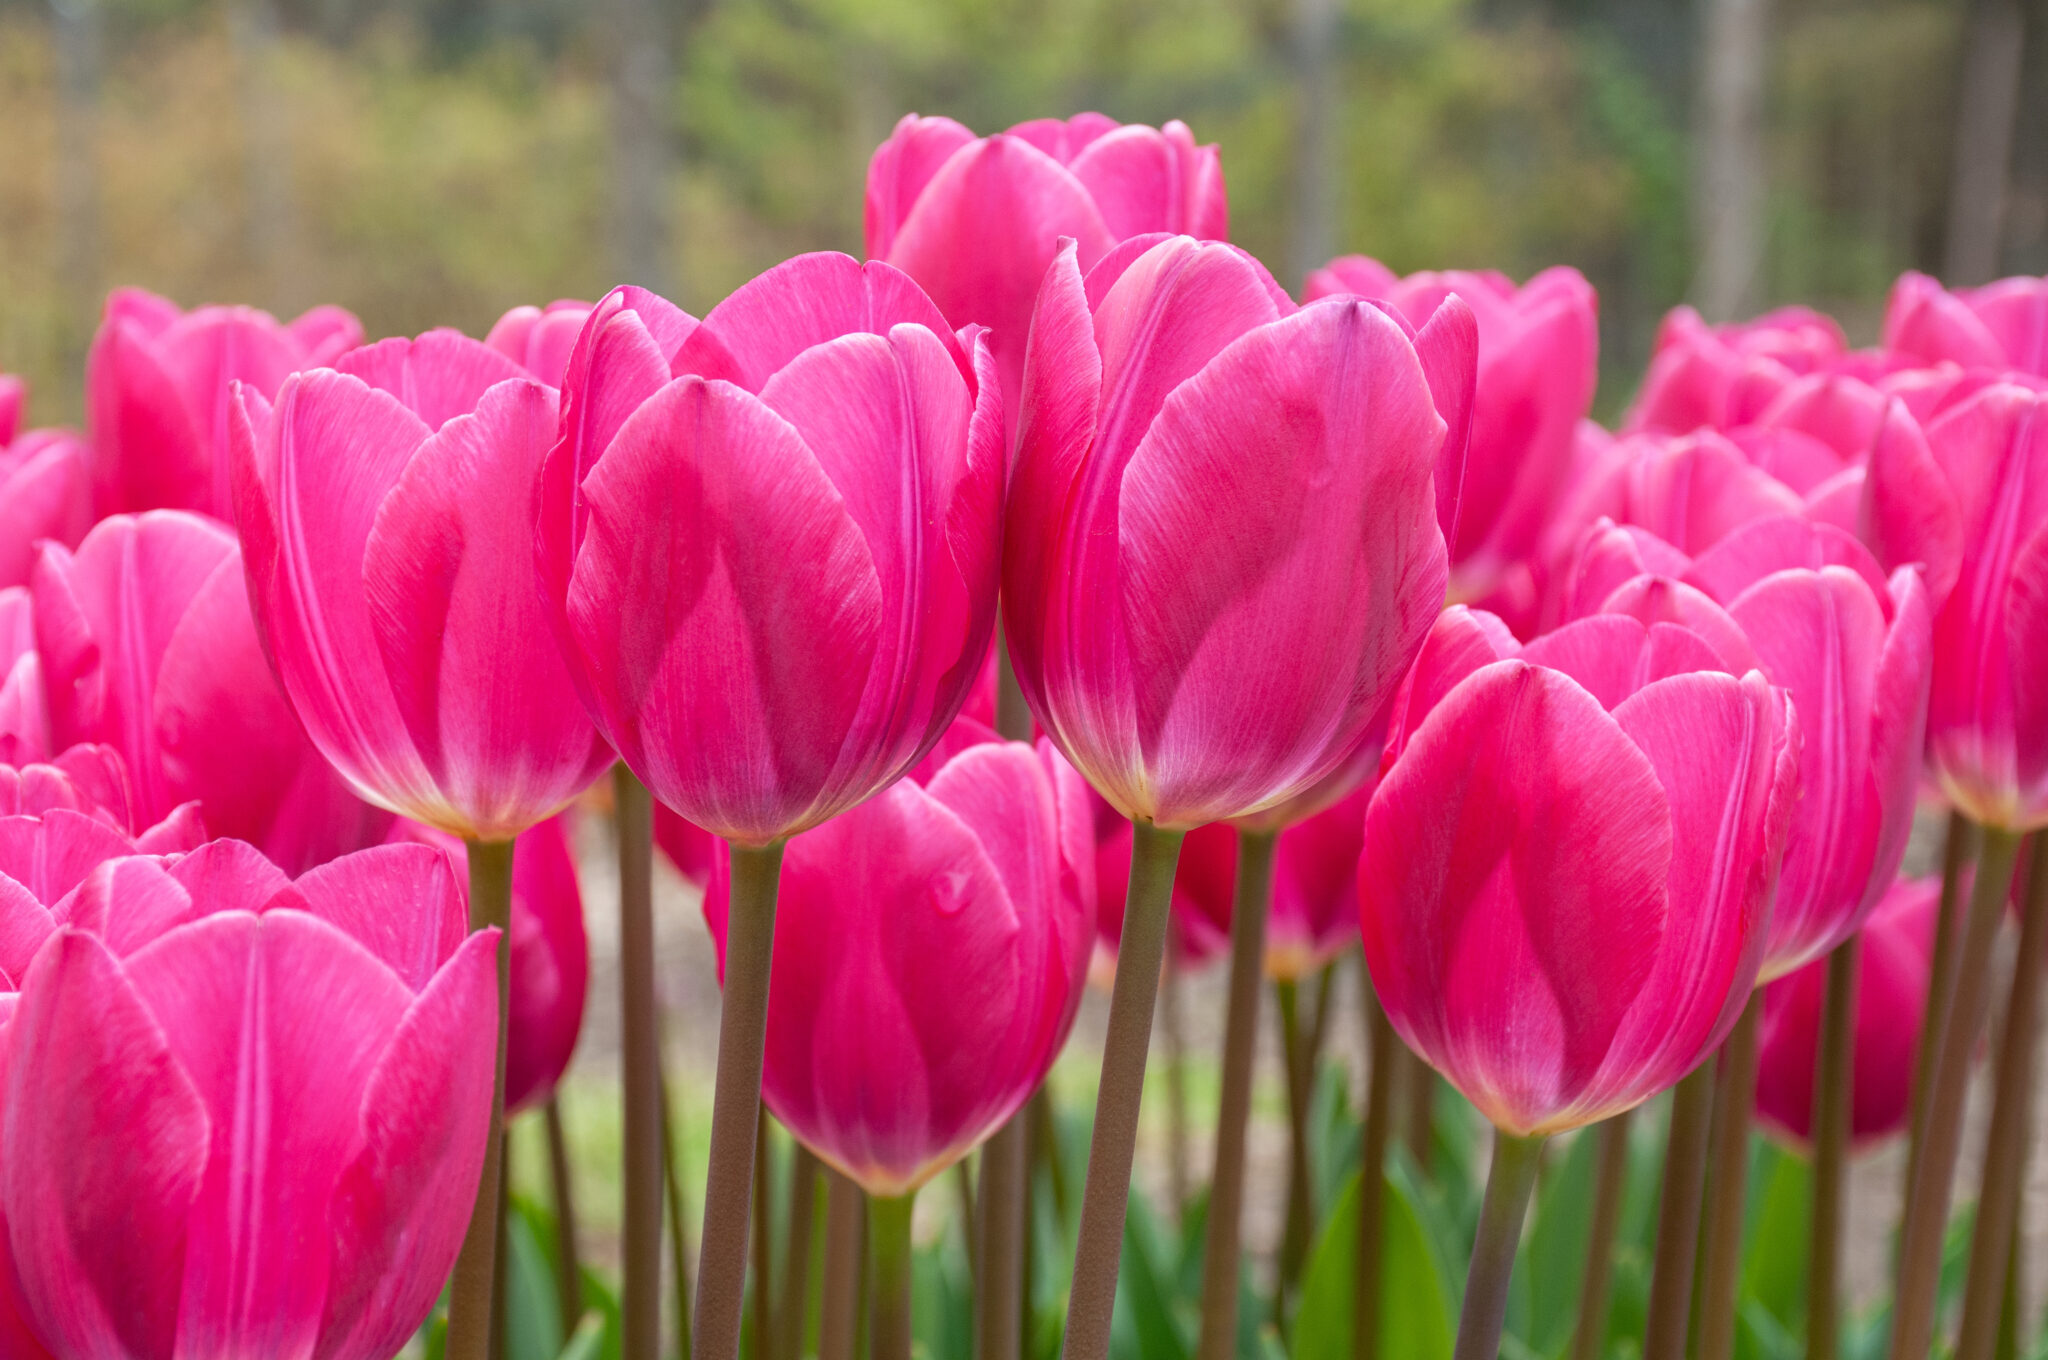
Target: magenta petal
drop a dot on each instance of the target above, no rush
(1448, 346)
(1459, 642)
(550, 964)
(149, 448)
(1910, 513)
(1140, 180)
(50, 855)
(45, 492)
(899, 170)
(327, 332)
(437, 377)
(401, 902)
(2026, 644)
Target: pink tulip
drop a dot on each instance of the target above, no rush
(13, 396)
(1568, 868)
(245, 1116)
(1222, 545)
(540, 339)
(1967, 499)
(770, 541)
(145, 644)
(386, 510)
(1896, 952)
(2002, 325)
(1696, 369)
(977, 220)
(45, 493)
(24, 714)
(156, 392)
(983, 877)
(1539, 352)
(549, 954)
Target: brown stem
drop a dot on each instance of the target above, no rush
(1254, 893)
(1678, 1216)
(839, 1306)
(760, 1240)
(1589, 1336)
(499, 1262)
(1179, 1175)
(1720, 1270)
(1154, 853)
(1508, 1185)
(640, 1061)
(794, 1314)
(1419, 1098)
(736, 1102)
(1958, 852)
(970, 1218)
(1834, 1096)
(568, 1264)
(678, 1220)
(998, 1288)
(1046, 1137)
(2005, 1148)
(1382, 1046)
(1013, 715)
(1927, 1200)
(1298, 1065)
(471, 1289)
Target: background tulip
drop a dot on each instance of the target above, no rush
(386, 513)
(1696, 368)
(540, 339)
(689, 847)
(156, 392)
(45, 493)
(24, 713)
(2002, 325)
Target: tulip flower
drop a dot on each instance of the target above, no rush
(145, 643)
(45, 493)
(1696, 368)
(24, 713)
(977, 220)
(1539, 349)
(689, 847)
(156, 392)
(259, 1131)
(539, 339)
(2002, 325)
(1896, 949)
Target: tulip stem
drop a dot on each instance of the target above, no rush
(1509, 1182)
(1178, 1172)
(1254, 894)
(471, 1290)
(1382, 1047)
(2005, 1148)
(1301, 1050)
(1958, 851)
(889, 1276)
(640, 1169)
(760, 1241)
(999, 1287)
(1419, 1095)
(736, 1102)
(1927, 1198)
(839, 1304)
(678, 1229)
(1678, 1216)
(1834, 1095)
(1728, 1155)
(1154, 855)
(795, 1313)
(1589, 1336)
(568, 1265)
(970, 1219)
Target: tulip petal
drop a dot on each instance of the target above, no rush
(1909, 512)
(127, 903)
(50, 855)
(1448, 346)
(45, 493)
(1139, 180)
(1459, 642)
(401, 902)
(437, 377)
(899, 171)
(149, 448)
(1778, 543)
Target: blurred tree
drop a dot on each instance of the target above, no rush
(1728, 199)
(1988, 89)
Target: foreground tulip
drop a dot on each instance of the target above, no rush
(2002, 325)
(45, 493)
(156, 392)
(976, 220)
(1539, 358)
(769, 543)
(245, 1115)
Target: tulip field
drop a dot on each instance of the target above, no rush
(1627, 836)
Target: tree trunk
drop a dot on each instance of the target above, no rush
(642, 88)
(1987, 106)
(1728, 193)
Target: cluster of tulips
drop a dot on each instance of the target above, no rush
(1049, 594)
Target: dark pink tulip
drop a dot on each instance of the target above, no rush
(976, 220)
(1222, 545)
(540, 339)
(1897, 948)
(689, 847)
(1968, 499)
(983, 877)
(770, 541)
(45, 493)
(24, 713)
(146, 645)
(2002, 325)
(1539, 358)
(156, 392)
(13, 396)
(1568, 866)
(1697, 369)
(243, 1115)
(386, 510)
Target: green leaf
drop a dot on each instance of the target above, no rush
(1552, 1258)
(587, 1341)
(533, 1313)
(1774, 1265)
(1415, 1322)
(1145, 1324)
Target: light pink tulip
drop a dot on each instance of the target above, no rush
(1222, 545)
(2002, 325)
(770, 541)
(1568, 868)
(983, 877)
(145, 644)
(45, 493)
(540, 339)
(386, 510)
(156, 392)
(976, 220)
(1696, 370)
(243, 1115)
(1896, 952)
(1539, 359)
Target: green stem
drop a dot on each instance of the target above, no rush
(1382, 1045)
(678, 1220)
(1154, 853)
(1508, 1184)
(1834, 1095)
(1958, 851)
(568, 1264)
(736, 1102)
(471, 1289)
(889, 1277)
(839, 1304)
(1721, 1268)
(1589, 1336)
(794, 1313)
(640, 1064)
(1171, 989)
(1927, 1199)
(1678, 1216)
(1293, 1232)
(1419, 1095)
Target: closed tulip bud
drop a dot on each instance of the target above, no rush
(977, 220)
(540, 339)
(2002, 325)
(1696, 370)
(45, 493)
(770, 541)
(244, 1115)
(1895, 953)
(1222, 547)
(983, 877)
(145, 644)
(386, 510)
(1568, 867)
(156, 392)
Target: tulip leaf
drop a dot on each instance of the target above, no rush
(587, 1341)
(1145, 1325)
(1774, 1266)
(533, 1321)
(1415, 1320)
(1545, 1298)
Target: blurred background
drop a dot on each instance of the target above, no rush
(430, 162)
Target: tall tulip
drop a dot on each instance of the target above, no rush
(2002, 325)
(156, 392)
(769, 543)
